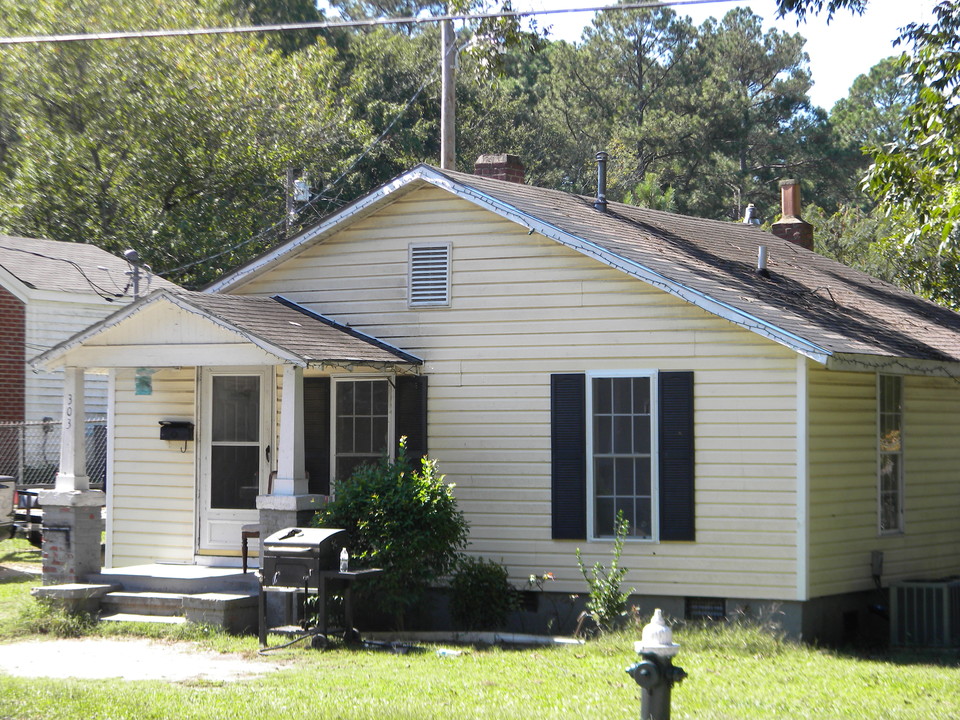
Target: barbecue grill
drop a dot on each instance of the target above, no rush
(307, 560)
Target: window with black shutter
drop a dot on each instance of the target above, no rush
(633, 418)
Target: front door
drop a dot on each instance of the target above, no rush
(235, 436)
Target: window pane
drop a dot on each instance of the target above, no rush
(379, 441)
(234, 476)
(345, 398)
(602, 396)
(381, 398)
(603, 476)
(623, 468)
(641, 395)
(363, 442)
(362, 399)
(603, 522)
(642, 471)
(622, 434)
(236, 408)
(603, 434)
(641, 434)
(622, 395)
(345, 435)
(626, 506)
(644, 527)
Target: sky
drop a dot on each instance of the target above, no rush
(839, 51)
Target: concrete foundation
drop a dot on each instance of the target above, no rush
(72, 525)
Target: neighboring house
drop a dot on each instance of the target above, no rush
(50, 290)
(766, 433)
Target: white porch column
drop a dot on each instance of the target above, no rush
(72, 516)
(291, 476)
(73, 454)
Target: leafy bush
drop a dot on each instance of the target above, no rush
(481, 596)
(607, 603)
(402, 517)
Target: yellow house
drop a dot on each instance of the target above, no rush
(777, 436)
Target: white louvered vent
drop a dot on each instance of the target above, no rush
(429, 275)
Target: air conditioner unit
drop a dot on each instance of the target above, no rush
(925, 613)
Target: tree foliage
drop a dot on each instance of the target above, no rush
(175, 148)
(920, 172)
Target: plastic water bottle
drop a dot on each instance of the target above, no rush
(344, 560)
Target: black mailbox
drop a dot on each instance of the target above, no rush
(176, 430)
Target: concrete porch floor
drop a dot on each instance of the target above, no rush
(172, 577)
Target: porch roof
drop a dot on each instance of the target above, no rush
(179, 327)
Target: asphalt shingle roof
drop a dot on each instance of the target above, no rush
(296, 330)
(818, 299)
(69, 267)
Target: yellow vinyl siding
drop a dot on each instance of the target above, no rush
(153, 511)
(843, 482)
(523, 307)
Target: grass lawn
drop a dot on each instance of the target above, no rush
(734, 672)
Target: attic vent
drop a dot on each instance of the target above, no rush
(429, 275)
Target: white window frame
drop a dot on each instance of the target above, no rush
(335, 380)
(654, 453)
(881, 453)
(412, 251)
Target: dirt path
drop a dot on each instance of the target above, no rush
(127, 660)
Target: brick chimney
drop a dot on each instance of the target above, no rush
(500, 167)
(791, 226)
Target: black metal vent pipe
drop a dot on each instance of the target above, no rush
(601, 202)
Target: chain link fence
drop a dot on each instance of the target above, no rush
(30, 451)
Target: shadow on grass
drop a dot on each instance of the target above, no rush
(937, 657)
(21, 555)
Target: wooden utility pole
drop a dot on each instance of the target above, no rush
(448, 97)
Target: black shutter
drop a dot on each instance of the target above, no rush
(316, 433)
(677, 511)
(411, 416)
(568, 456)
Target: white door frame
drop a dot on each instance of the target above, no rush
(218, 529)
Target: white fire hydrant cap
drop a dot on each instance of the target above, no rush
(657, 638)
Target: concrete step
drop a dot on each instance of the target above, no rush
(182, 579)
(142, 603)
(133, 617)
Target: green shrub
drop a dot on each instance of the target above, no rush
(608, 602)
(481, 596)
(402, 517)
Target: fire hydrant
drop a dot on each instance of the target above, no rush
(655, 672)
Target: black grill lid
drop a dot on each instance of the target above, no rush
(295, 539)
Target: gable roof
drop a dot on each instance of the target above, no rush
(69, 267)
(814, 305)
(276, 325)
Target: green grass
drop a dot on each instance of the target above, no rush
(734, 672)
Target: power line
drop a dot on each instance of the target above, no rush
(338, 24)
(101, 291)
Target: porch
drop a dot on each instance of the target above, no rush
(223, 417)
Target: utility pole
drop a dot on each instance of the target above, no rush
(290, 205)
(448, 97)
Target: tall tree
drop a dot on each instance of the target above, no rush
(872, 114)
(920, 172)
